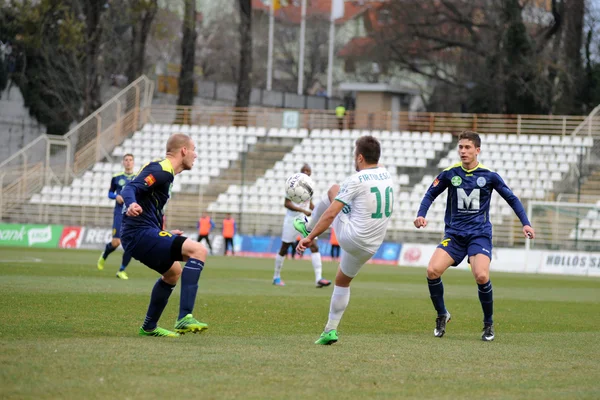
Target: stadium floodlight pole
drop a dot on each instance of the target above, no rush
(270, 48)
(301, 57)
(337, 11)
(330, 58)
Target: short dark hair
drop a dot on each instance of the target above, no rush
(369, 148)
(472, 136)
(128, 155)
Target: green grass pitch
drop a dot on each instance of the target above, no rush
(69, 331)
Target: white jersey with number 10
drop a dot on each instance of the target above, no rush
(369, 201)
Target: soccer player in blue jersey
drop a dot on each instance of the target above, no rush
(468, 229)
(142, 235)
(117, 183)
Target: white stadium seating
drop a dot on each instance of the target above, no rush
(530, 164)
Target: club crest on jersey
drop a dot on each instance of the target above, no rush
(481, 181)
(121, 182)
(150, 180)
(456, 180)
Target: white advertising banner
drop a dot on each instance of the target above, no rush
(416, 254)
(505, 260)
(570, 263)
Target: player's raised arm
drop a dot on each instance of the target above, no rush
(513, 201)
(437, 187)
(291, 206)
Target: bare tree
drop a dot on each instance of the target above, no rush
(188, 54)
(490, 53)
(142, 16)
(245, 70)
(94, 28)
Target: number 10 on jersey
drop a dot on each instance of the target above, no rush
(389, 202)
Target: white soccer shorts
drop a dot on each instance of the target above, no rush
(289, 233)
(352, 258)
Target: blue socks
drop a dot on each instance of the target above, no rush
(126, 260)
(107, 250)
(436, 292)
(158, 301)
(487, 301)
(189, 286)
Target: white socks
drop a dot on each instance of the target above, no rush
(278, 265)
(319, 209)
(339, 302)
(317, 266)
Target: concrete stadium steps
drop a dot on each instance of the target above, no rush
(591, 186)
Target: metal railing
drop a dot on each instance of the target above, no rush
(383, 120)
(50, 159)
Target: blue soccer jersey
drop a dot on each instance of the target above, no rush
(469, 196)
(117, 183)
(151, 189)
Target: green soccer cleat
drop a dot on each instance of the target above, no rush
(122, 275)
(327, 338)
(189, 324)
(158, 332)
(300, 226)
(101, 263)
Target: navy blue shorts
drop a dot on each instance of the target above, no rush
(460, 246)
(154, 248)
(116, 230)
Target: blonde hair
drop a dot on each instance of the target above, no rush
(177, 141)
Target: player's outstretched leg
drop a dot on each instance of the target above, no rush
(440, 261)
(318, 267)
(304, 225)
(121, 274)
(196, 256)
(339, 301)
(109, 248)
(209, 245)
(158, 301)
(279, 259)
(480, 267)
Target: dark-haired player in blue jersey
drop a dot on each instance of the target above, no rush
(142, 234)
(468, 229)
(117, 183)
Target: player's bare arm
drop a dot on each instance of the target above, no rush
(134, 210)
(290, 206)
(322, 225)
(420, 222)
(119, 199)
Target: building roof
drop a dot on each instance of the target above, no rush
(357, 47)
(317, 8)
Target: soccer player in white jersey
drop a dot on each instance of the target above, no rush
(365, 201)
(288, 237)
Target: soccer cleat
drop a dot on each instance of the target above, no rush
(300, 225)
(328, 338)
(101, 263)
(440, 324)
(278, 282)
(158, 332)
(189, 324)
(122, 275)
(323, 282)
(488, 333)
